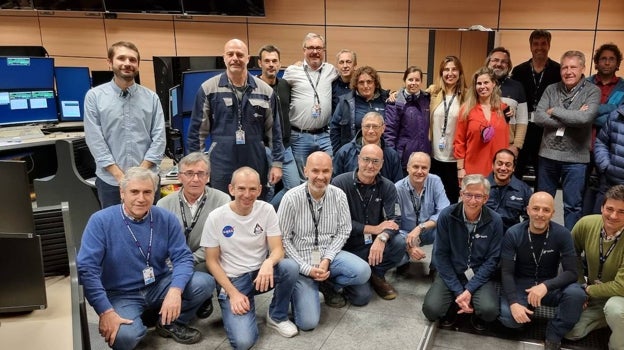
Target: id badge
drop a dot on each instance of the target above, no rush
(532, 117)
(560, 132)
(240, 137)
(316, 110)
(442, 143)
(148, 275)
(469, 273)
(368, 238)
(316, 257)
(222, 295)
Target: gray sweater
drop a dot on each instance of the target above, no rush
(574, 145)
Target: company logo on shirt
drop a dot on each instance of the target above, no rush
(258, 230)
(514, 198)
(548, 251)
(228, 231)
(477, 236)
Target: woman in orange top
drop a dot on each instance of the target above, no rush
(481, 128)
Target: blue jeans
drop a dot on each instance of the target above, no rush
(303, 144)
(426, 237)
(347, 272)
(109, 194)
(242, 330)
(569, 302)
(290, 177)
(130, 305)
(392, 255)
(572, 176)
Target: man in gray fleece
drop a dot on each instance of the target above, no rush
(566, 111)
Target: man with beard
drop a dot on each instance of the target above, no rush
(315, 222)
(124, 124)
(346, 62)
(512, 94)
(530, 257)
(239, 112)
(509, 196)
(607, 60)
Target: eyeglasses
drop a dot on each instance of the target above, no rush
(498, 60)
(371, 126)
(469, 196)
(373, 161)
(191, 174)
(315, 48)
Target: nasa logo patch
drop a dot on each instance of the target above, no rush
(228, 231)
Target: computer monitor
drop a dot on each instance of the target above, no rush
(27, 106)
(69, 5)
(191, 81)
(175, 101)
(144, 6)
(23, 284)
(225, 8)
(15, 206)
(72, 84)
(26, 73)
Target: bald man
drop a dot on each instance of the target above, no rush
(531, 254)
(315, 222)
(375, 218)
(239, 112)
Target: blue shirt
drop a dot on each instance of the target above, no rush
(432, 202)
(509, 201)
(123, 130)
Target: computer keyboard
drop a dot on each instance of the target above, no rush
(18, 133)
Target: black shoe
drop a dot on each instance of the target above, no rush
(550, 345)
(478, 324)
(332, 298)
(181, 333)
(403, 270)
(448, 322)
(205, 310)
(433, 272)
(150, 317)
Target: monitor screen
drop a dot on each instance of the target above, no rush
(191, 81)
(16, 206)
(175, 101)
(26, 73)
(23, 283)
(72, 84)
(224, 8)
(145, 6)
(69, 5)
(27, 106)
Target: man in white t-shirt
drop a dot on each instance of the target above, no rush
(238, 238)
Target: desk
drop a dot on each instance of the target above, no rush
(42, 329)
(49, 139)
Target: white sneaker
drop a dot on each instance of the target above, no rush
(286, 328)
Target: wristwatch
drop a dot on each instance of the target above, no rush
(422, 226)
(383, 237)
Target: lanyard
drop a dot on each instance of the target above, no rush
(603, 257)
(314, 86)
(446, 112)
(367, 202)
(149, 247)
(239, 103)
(417, 204)
(314, 219)
(187, 228)
(535, 259)
(537, 84)
(471, 238)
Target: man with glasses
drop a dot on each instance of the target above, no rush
(530, 257)
(375, 218)
(191, 205)
(311, 101)
(598, 242)
(512, 94)
(244, 253)
(509, 196)
(466, 254)
(240, 114)
(373, 126)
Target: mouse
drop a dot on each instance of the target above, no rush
(52, 135)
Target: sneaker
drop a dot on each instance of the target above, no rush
(478, 324)
(205, 310)
(286, 328)
(551, 345)
(181, 333)
(384, 289)
(332, 298)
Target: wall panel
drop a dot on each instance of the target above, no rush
(20, 31)
(92, 63)
(80, 37)
(453, 13)
(290, 40)
(418, 49)
(393, 81)
(368, 13)
(532, 14)
(383, 48)
(205, 38)
(611, 14)
(153, 38)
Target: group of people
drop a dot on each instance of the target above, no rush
(369, 176)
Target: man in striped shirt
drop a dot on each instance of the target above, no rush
(315, 222)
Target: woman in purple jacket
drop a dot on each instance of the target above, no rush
(407, 119)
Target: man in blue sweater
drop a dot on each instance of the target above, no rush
(466, 253)
(123, 265)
